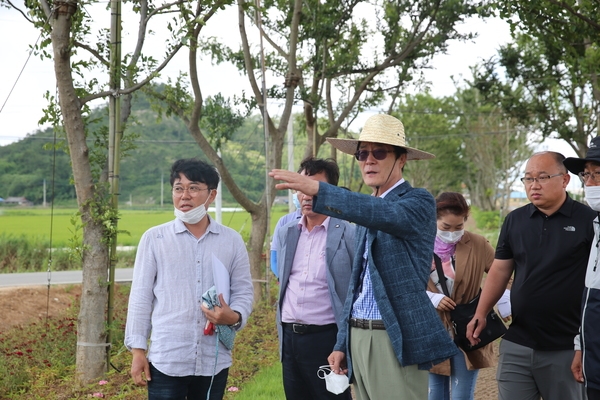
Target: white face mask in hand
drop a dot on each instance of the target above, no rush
(193, 216)
(592, 196)
(334, 383)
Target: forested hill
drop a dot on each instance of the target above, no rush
(24, 165)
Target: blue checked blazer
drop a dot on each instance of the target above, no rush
(399, 230)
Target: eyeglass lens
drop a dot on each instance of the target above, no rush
(584, 176)
(192, 190)
(378, 154)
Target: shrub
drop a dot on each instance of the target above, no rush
(31, 254)
(486, 220)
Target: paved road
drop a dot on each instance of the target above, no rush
(56, 278)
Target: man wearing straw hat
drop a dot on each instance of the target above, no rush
(392, 334)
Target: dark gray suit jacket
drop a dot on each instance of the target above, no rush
(339, 252)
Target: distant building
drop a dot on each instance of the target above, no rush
(517, 199)
(17, 201)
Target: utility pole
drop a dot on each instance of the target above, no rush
(268, 179)
(114, 148)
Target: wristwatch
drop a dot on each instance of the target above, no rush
(239, 321)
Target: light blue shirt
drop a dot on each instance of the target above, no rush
(172, 270)
(275, 241)
(365, 306)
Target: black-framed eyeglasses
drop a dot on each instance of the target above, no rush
(584, 176)
(193, 190)
(378, 154)
(542, 179)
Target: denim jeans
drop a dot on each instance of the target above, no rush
(460, 385)
(165, 387)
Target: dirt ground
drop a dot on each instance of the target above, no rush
(19, 306)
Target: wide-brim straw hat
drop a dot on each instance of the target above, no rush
(577, 165)
(380, 128)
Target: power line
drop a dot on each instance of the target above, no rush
(24, 65)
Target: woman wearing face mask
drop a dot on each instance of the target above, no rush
(464, 257)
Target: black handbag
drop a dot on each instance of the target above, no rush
(464, 313)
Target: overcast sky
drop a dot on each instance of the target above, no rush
(23, 108)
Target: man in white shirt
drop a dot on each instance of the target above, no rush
(173, 269)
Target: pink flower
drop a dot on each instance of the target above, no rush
(97, 395)
(233, 389)
(102, 382)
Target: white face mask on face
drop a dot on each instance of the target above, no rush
(193, 216)
(592, 196)
(450, 237)
(296, 201)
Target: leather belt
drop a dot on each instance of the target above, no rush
(301, 329)
(367, 323)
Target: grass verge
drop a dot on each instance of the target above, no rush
(37, 361)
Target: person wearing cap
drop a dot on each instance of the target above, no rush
(586, 362)
(315, 261)
(546, 245)
(391, 334)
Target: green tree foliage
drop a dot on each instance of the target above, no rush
(345, 57)
(158, 143)
(543, 89)
(554, 64)
(493, 149)
(25, 165)
(430, 125)
(477, 150)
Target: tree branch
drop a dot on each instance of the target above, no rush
(23, 13)
(576, 14)
(160, 9)
(247, 58)
(95, 53)
(280, 50)
(137, 86)
(48, 9)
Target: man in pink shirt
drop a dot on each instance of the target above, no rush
(314, 264)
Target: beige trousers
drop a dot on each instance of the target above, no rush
(378, 374)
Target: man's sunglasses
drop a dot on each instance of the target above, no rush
(378, 154)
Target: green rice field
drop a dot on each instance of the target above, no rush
(39, 223)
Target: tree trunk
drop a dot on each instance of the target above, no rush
(311, 131)
(91, 329)
(256, 251)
